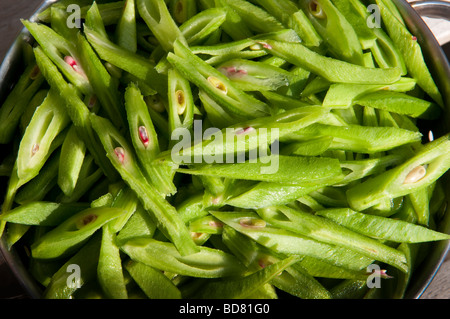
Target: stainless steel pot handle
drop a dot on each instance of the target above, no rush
(435, 10)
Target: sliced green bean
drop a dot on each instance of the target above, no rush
(109, 269)
(86, 259)
(310, 170)
(145, 141)
(122, 157)
(289, 243)
(330, 69)
(42, 213)
(76, 109)
(126, 33)
(16, 102)
(138, 225)
(69, 235)
(330, 23)
(153, 282)
(256, 18)
(157, 16)
(215, 83)
(47, 122)
(424, 168)
(410, 49)
(73, 152)
(322, 230)
(135, 64)
(410, 106)
(356, 138)
(294, 280)
(206, 263)
(346, 95)
(382, 227)
(238, 288)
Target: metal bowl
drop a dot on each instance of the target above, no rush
(438, 64)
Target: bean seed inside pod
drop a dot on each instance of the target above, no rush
(252, 223)
(143, 135)
(415, 175)
(218, 84)
(120, 153)
(181, 102)
(316, 10)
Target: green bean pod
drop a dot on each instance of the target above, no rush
(238, 288)
(47, 122)
(42, 213)
(382, 228)
(330, 69)
(16, 102)
(322, 230)
(424, 168)
(76, 109)
(157, 17)
(153, 282)
(215, 83)
(109, 270)
(206, 263)
(122, 157)
(410, 49)
(357, 138)
(73, 152)
(62, 284)
(285, 242)
(145, 141)
(330, 23)
(68, 236)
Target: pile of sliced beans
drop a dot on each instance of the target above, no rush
(170, 149)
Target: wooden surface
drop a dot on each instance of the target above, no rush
(10, 13)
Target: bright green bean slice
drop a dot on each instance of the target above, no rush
(153, 282)
(123, 159)
(289, 243)
(410, 106)
(68, 236)
(206, 263)
(330, 69)
(410, 49)
(145, 141)
(382, 227)
(322, 230)
(73, 152)
(87, 259)
(331, 24)
(42, 213)
(109, 268)
(48, 121)
(238, 288)
(357, 138)
(294, 280)
(425, 167)
(157, 16)
(309, 170)
(215, 84)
